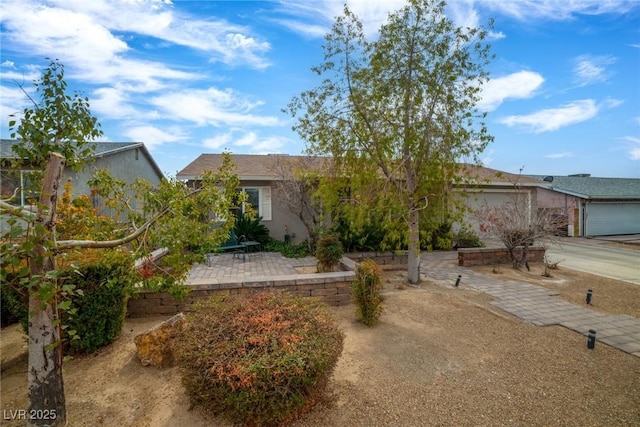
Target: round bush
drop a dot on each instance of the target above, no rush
(328, 252)
(261, 359)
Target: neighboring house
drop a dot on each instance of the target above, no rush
(490, 187)
(126, 161)
(594, 206)
(258, 175)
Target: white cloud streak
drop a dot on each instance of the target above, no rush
(592, 69)
(211, 107)
(557, 10)
(634, 147)
(554, 118)
(154, 137)
(563, 155)
(520, 85)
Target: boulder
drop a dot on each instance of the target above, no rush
(154, 346)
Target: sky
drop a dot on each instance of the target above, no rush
(193, 77)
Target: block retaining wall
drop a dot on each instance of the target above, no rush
(386, 260)
(488, 256)
(334, 288)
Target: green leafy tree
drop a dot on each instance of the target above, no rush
(398, 112)
(58, 130)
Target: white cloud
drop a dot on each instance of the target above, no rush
(217, 142)
(612, 102)
(112, 103)
(592, 69)
(320, 16)
(152, 136)
(212, 106)
(231, 43)
(88, 35)
(520, 85)
(562, 155)
(260, 145)
(555, 118)
(557, 10)
(634, 147)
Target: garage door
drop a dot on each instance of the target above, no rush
(490, 197)
(605, 219)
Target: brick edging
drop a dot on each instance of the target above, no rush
(489, 256)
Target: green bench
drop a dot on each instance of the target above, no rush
(232, 245)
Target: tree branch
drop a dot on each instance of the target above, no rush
(16, 211)
(104, 244)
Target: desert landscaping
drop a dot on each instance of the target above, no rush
(440, 356)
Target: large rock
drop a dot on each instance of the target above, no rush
(154, 346)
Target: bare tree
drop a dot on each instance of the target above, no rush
(518, 224)
(296, 183)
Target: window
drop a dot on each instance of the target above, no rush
(18, 185)
(260, 200)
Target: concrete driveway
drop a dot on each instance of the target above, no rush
(597, 257)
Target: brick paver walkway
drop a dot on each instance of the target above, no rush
(536, 305)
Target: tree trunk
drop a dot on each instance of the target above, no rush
(413, 257)
(46, 388)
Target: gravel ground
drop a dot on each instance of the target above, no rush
(438, 357)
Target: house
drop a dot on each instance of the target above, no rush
(259, 176)
(483, 186)
(594, 206)
(126, 161)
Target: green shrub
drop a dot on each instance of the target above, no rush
(13, 304)
(467, 238)
(365, 291)
(436, 237)
(328, 252)
(287, 249)
(96, 316)
(102, 307)
(252, 229)
(262, 359)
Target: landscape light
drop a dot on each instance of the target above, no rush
(591, 339)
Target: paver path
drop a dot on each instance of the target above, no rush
(536, 305)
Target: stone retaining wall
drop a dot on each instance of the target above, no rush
(333, 288)
(488, 256)
(386, 260)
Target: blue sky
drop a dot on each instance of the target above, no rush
(191, 77)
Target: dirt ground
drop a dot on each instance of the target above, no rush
(439, 357)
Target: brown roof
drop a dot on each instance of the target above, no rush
(264, 167)
(248, 166)
(484, 175)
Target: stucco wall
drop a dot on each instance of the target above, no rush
(281, 216)
(127, 165)
(492, 197)
(565, 204)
